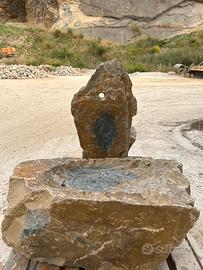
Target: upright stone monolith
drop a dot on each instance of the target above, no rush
(103, 112)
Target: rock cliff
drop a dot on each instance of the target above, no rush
(116, 20)
(44, 12)
(13, 9)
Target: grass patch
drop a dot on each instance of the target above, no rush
(36, 46)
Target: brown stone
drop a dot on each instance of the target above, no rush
(42, 12)
(13, 9)
(103, 112)
(98, 214)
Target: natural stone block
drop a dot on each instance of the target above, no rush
(103, 112)
(98, 214)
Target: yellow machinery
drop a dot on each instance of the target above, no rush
(7, 52)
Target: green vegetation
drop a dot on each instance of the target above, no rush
(36, 46)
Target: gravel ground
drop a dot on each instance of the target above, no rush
(35, 122)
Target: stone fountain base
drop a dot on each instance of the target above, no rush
(98, 214)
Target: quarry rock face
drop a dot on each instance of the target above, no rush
(126, 20)
(103, 112)
(115, 20)
(13, 9)
(42, 12)
(98, 214)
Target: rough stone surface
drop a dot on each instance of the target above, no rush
(13, 9)
(125, 20)
(103, 112)
(42, 11)
(147, 209)
(115, 20)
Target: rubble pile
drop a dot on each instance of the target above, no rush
(65, 71)
(34, 72)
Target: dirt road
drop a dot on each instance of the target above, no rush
(35, 122)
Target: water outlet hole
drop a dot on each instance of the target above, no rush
(101, 96)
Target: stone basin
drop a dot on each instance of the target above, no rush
(98, 214)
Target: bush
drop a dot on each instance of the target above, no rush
(36, 46)
(79, 62)
(136, 68)
(81, 36)
(97, 49)
(184, 56)
(166, 59)
(61, 54)
(155, 49)
(63, 35)
(58, 34)
(48, 45)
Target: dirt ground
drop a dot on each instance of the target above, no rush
(35, 122)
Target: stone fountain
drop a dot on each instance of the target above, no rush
(106, 211)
